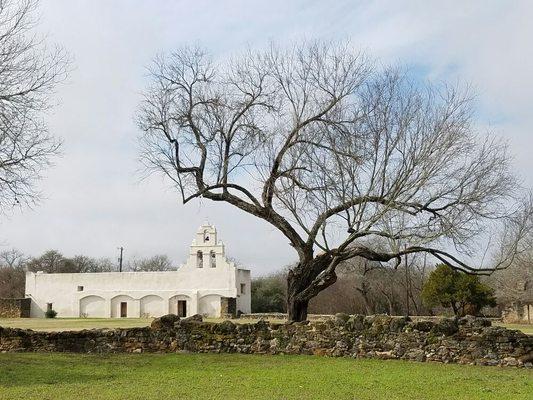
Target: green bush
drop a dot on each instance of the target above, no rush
(50, 314)
(464, 293)
(268, 294)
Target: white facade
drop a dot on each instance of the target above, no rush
(197, 287)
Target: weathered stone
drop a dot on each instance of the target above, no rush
(416, 355)
(193, 318)
(378, 336)
(356, 323)
(262, 325)
(15, 308)
(397, 324)
(445, 327)
(474, 322)
(341, 319)
(164, 322)
(423, 326)
(225, 327)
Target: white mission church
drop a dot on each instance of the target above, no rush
(206, 284)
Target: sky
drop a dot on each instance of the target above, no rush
(94, 198)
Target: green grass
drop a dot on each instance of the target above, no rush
(43, 376)
(76, 324)
(527, 329)
(72, 324)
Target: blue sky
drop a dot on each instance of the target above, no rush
(94, 198)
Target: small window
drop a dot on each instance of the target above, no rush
(199, 259)
(213, 258)
(49, 307)
(243, 288)
(80, 288)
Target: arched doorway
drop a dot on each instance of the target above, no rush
(180, 305)
(122, 307)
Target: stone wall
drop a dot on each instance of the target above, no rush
(465, 341)
(284, 317)
(228, 307)
(518, 313)
(15, 308)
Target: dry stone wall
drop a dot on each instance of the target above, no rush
(464, 341)
(15, 308)
(518, 313)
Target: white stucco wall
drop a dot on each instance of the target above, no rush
(152, 305)
(209, 305)
(244, 300)
(93, 307)
(146, 293)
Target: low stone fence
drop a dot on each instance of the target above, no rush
(283, 316)
(518, 313)
(15, 308)
(465, 341)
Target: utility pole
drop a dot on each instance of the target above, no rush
(407, 285)
(120, 259)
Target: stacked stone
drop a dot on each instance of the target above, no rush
(466, 341)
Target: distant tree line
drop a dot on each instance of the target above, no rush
(414, 288)
(14, 264)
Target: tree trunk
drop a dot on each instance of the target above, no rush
(302, 286)
(363, 290)
(454, 308)
(297, 310)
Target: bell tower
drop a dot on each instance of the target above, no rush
(206, 236)
(206, 250)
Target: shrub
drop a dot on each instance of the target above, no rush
(50, 314)
(464, 293)
(268, 294)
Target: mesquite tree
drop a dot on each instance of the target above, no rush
(29, 72)
(333, 152)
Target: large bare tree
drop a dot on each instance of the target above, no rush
(333, 152)
(29, 71)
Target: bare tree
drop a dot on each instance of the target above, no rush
(52, 262)
(90, 264)
(12, 275)
(29, 72)
(515, 284)
(13, 258)
(158, 262)
(334, 153)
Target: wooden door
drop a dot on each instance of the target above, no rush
(123, 309)
(182, 308)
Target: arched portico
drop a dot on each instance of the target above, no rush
(181, 305)
(151, 306)
(209, 305)
(93, 307)
(124, 306)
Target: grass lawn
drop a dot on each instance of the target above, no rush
(76, 324)
(527, 329)
(55, 376)
(72, 324)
